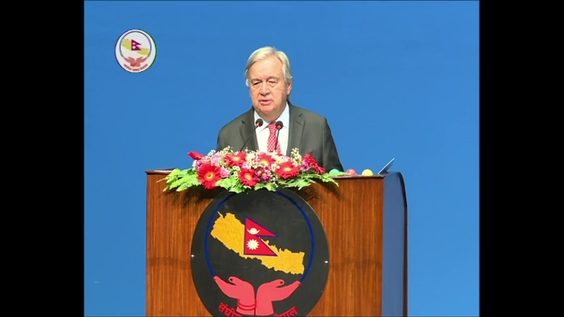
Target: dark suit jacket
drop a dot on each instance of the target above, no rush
(309, 132)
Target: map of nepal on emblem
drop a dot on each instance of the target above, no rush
(247, 241)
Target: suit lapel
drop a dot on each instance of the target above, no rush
(247, 128)
(296, 129)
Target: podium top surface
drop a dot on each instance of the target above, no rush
(164, 171)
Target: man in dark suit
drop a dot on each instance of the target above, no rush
(284, 125)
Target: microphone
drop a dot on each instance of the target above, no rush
(258, 124)
(279, 126)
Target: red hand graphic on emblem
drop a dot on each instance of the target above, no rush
(271, 292)
(240, 290)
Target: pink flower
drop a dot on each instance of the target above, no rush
(264, 173)
(216, 159)
(198, 164)
(224, 173)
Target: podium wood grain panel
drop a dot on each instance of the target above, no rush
(355, 246)
(353, 216)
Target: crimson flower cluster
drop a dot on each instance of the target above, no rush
(251, 168)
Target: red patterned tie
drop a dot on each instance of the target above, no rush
(272, 138)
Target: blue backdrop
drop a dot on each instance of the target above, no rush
(403, 74)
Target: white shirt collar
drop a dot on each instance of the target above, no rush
(284, 117)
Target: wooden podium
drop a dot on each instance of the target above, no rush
(365, 220)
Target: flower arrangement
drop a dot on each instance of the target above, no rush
(238, 171)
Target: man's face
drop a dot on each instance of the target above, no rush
(269, 91)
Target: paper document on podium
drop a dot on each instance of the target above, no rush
(168, 169)
(386, 167)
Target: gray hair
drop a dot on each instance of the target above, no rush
(265, 52)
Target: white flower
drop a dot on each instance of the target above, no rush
(250, 156)
(226, 150)
(295, 154)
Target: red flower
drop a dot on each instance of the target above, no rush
(287, 170)
(209, 175)
(308, 158)
(265, 159)
(196, 155)
(247, 177)
(236, 159)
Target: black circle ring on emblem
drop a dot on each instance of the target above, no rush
(210, 222)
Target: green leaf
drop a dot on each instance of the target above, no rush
(174, 172)
(192, 181)
(226, 183)
(236, 189)
(182, 179)
(335, 174)
(271, 187)
(163, 179)
(297, 182)
(190, 171)
(177, 183)
(182, 187)
(260, 186)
